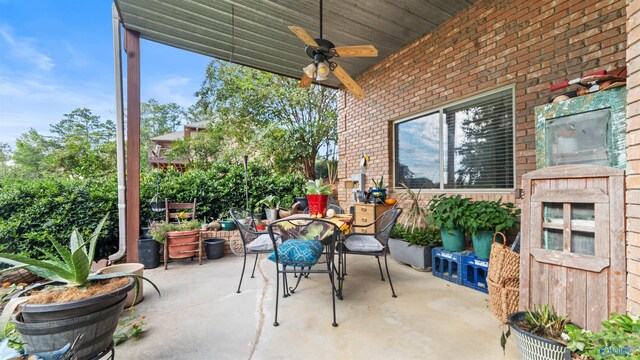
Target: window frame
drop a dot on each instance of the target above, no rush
(441, 118)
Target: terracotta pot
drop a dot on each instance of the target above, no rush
(183, 244)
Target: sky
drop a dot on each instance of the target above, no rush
(56, 56)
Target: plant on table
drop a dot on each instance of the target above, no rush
(271, 203)
(159, 229)
(379, 190)
(318, 197)
(619, 339)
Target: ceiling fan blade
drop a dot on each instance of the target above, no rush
(300, 33)
(305, 81)
(348, 82)
(358, 50)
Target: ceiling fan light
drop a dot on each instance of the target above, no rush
(323, 71)
(310, 70)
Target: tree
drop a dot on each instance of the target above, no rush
(31, 151)
(270, 115)
(83, 144)
(157, 119)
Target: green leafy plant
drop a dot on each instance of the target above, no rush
(130, 326)
(545, 322)
(317, 188)
(379, 184)
(158, 230)
(619, 339)
(448, 212)
(415, 215)
(426, 236)
(270, 201)
(491, 215)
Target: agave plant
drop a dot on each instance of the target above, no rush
(316, 188)
(70, 266)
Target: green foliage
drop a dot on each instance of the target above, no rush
(316, 188)
(31, 152)
(419, 236)
(269, 116)
(543, 321)
(448, 211)
(619, 339)
(379, 184)
(491, 215)
(158, 230)
(415, 215)
(129, 327)
(10, 332)
(33, 212)
(270, 201)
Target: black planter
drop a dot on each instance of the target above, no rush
(214, 248)
(148, 252)
(49, 327)
(532, 347)
(304, 203)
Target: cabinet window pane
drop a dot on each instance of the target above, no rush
(583, 242)
(417, 162)
(478, 143)
(552, 239)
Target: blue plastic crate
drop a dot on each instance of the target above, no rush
(474, 272)
(447, 265)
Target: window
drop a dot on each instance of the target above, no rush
(466, 146)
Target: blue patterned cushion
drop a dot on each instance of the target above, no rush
(299, 253)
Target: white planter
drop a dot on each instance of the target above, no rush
(272, 214)
(419, 257)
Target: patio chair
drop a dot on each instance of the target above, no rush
(254, 241)
(375, 244)
(173, 212)
(303, 246)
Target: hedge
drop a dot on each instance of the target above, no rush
(33, 211)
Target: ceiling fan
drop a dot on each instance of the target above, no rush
(322, 51)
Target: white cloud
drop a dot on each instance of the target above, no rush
(24, 49)
(171, 88)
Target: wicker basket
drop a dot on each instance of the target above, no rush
(503, 279)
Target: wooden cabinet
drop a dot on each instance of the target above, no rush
(366, 214)
(573, 243)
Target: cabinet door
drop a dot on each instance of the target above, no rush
(570, 255)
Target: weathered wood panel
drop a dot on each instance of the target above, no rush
(576, 299)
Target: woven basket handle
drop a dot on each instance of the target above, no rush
(504, 239)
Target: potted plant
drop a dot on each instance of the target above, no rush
(538, 333)
(448, 213)
(413, 239)
(318, 197)
(228, 224)
(271, 204)
(619, 338)
(379, 189)
(258, 211)
(484, 218)
(260, 226)
(181, 237)
(45, 322)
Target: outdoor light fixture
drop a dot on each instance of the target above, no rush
(310, 70)
(323, 71)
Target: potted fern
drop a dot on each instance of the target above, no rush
(47, 320)
(318, 197)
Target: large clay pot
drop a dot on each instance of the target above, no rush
(182, 244)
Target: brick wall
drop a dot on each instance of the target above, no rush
(491, 44)
(633, 157)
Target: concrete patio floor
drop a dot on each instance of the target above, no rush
(200, 316)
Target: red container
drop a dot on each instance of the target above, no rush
(318, 204)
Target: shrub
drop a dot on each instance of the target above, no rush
(34, 211)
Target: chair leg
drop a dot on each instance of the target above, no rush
(389, 276)
(333, 292)
(244, 264)
(285, 283)
(275, 321)
(254, 267)
(166, 254)
(380, 267)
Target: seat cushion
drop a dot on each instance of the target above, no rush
(363, 243)
(298, 253)
(262, 243)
